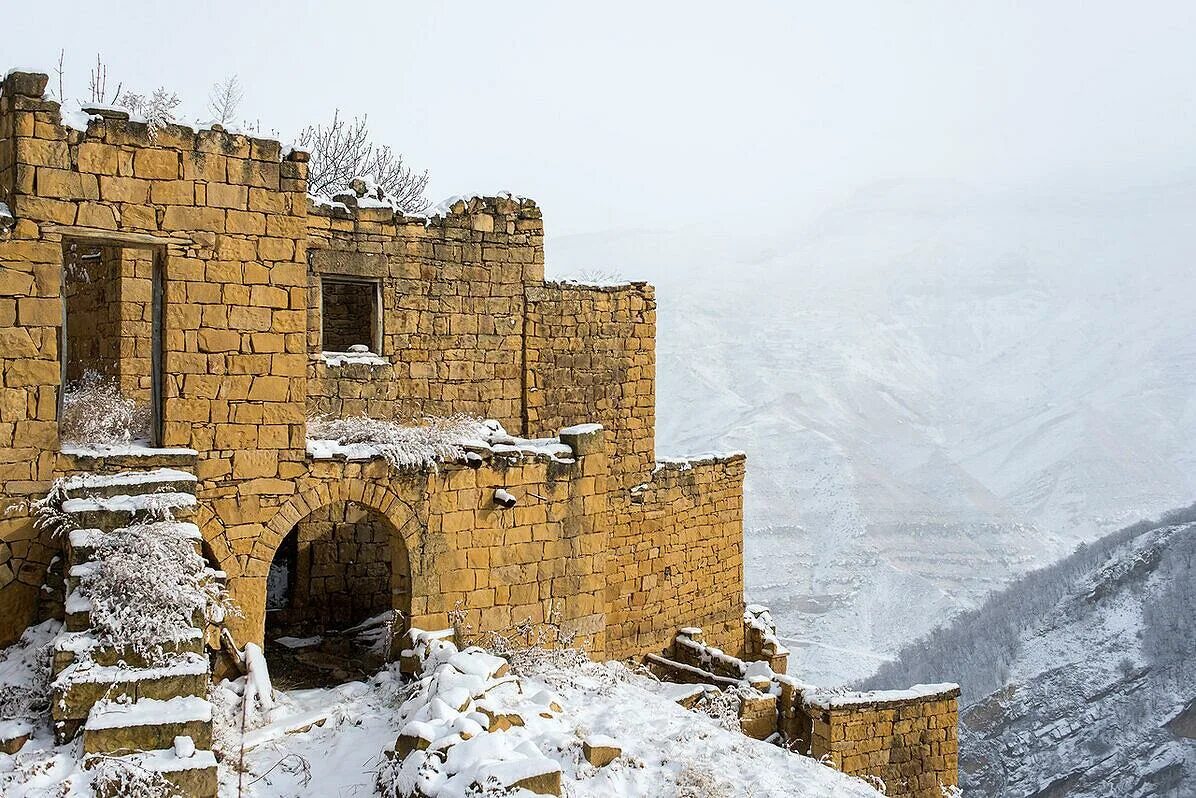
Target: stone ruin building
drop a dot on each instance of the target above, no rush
(235, 308)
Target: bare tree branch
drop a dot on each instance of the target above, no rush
(224, 99)
(342, 151)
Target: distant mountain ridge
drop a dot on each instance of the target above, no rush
(1079, 679)
(938, 388)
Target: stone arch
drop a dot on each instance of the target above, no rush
(371, 495)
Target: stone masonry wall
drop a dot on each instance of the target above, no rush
(474, 565)
(591, 356)
(452, 307)
(676, 557)
(227, 215)
(909, 743)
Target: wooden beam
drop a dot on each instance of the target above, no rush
(117, 237)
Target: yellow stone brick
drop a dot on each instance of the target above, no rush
(100, 159)
(156, 164)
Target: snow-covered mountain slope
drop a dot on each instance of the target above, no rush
(938, 389)
(1080, 679)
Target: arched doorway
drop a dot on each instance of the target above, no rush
(338, 594)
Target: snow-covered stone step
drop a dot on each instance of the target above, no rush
(194, 776)
(111, 512)
(78, 609)
(84, 542)
(80, 685)
(71, 647)
(117, 728)
(170, 480)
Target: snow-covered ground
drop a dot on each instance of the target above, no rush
(938, 388)
(332, 742)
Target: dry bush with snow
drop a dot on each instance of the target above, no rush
(435, 440)
(117, 776)
(720, 706)
(692, 783)
(28, 698)
(148, 585)
(95, 412)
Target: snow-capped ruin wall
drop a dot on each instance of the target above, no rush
(451, 290)
(615, 549)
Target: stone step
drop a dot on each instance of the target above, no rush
(113, 512)
(80, 685)
(84, 542)
(78, 611)
(118, 728)
(193, 776)
(114, 459)
(158, 480)
(71, 647)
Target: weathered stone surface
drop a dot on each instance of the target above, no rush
(600, 755)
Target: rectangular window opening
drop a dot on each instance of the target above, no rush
(350, 315)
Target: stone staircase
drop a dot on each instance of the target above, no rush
(151, 715)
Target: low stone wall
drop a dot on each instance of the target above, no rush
(906, 738)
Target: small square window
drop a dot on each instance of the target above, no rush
(351, 315)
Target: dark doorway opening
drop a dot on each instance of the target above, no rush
(337, 597)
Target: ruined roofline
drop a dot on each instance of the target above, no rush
(32, 85)
(345, 205)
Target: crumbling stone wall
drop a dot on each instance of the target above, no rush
(226, 214)
(453, 308)
(475, 566)
(676, 556)
(909, 743)
(591, 356)
(468, 325)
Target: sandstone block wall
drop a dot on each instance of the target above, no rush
(453, 308)
(676, 557)
(467, 325)
(225, 216)
(474, 565)
(911, 744)
(591, 356)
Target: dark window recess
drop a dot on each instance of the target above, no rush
(350, 315)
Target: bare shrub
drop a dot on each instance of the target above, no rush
(225, 99)
(721, 706)
(158, 109)
(118, 776)
(148, 584)
(28, 698)
(694, 783)
(95, 412)
(435, 440)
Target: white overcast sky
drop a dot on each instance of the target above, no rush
(649, 114)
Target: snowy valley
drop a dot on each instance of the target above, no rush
(1078, 679)
(939, 389)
